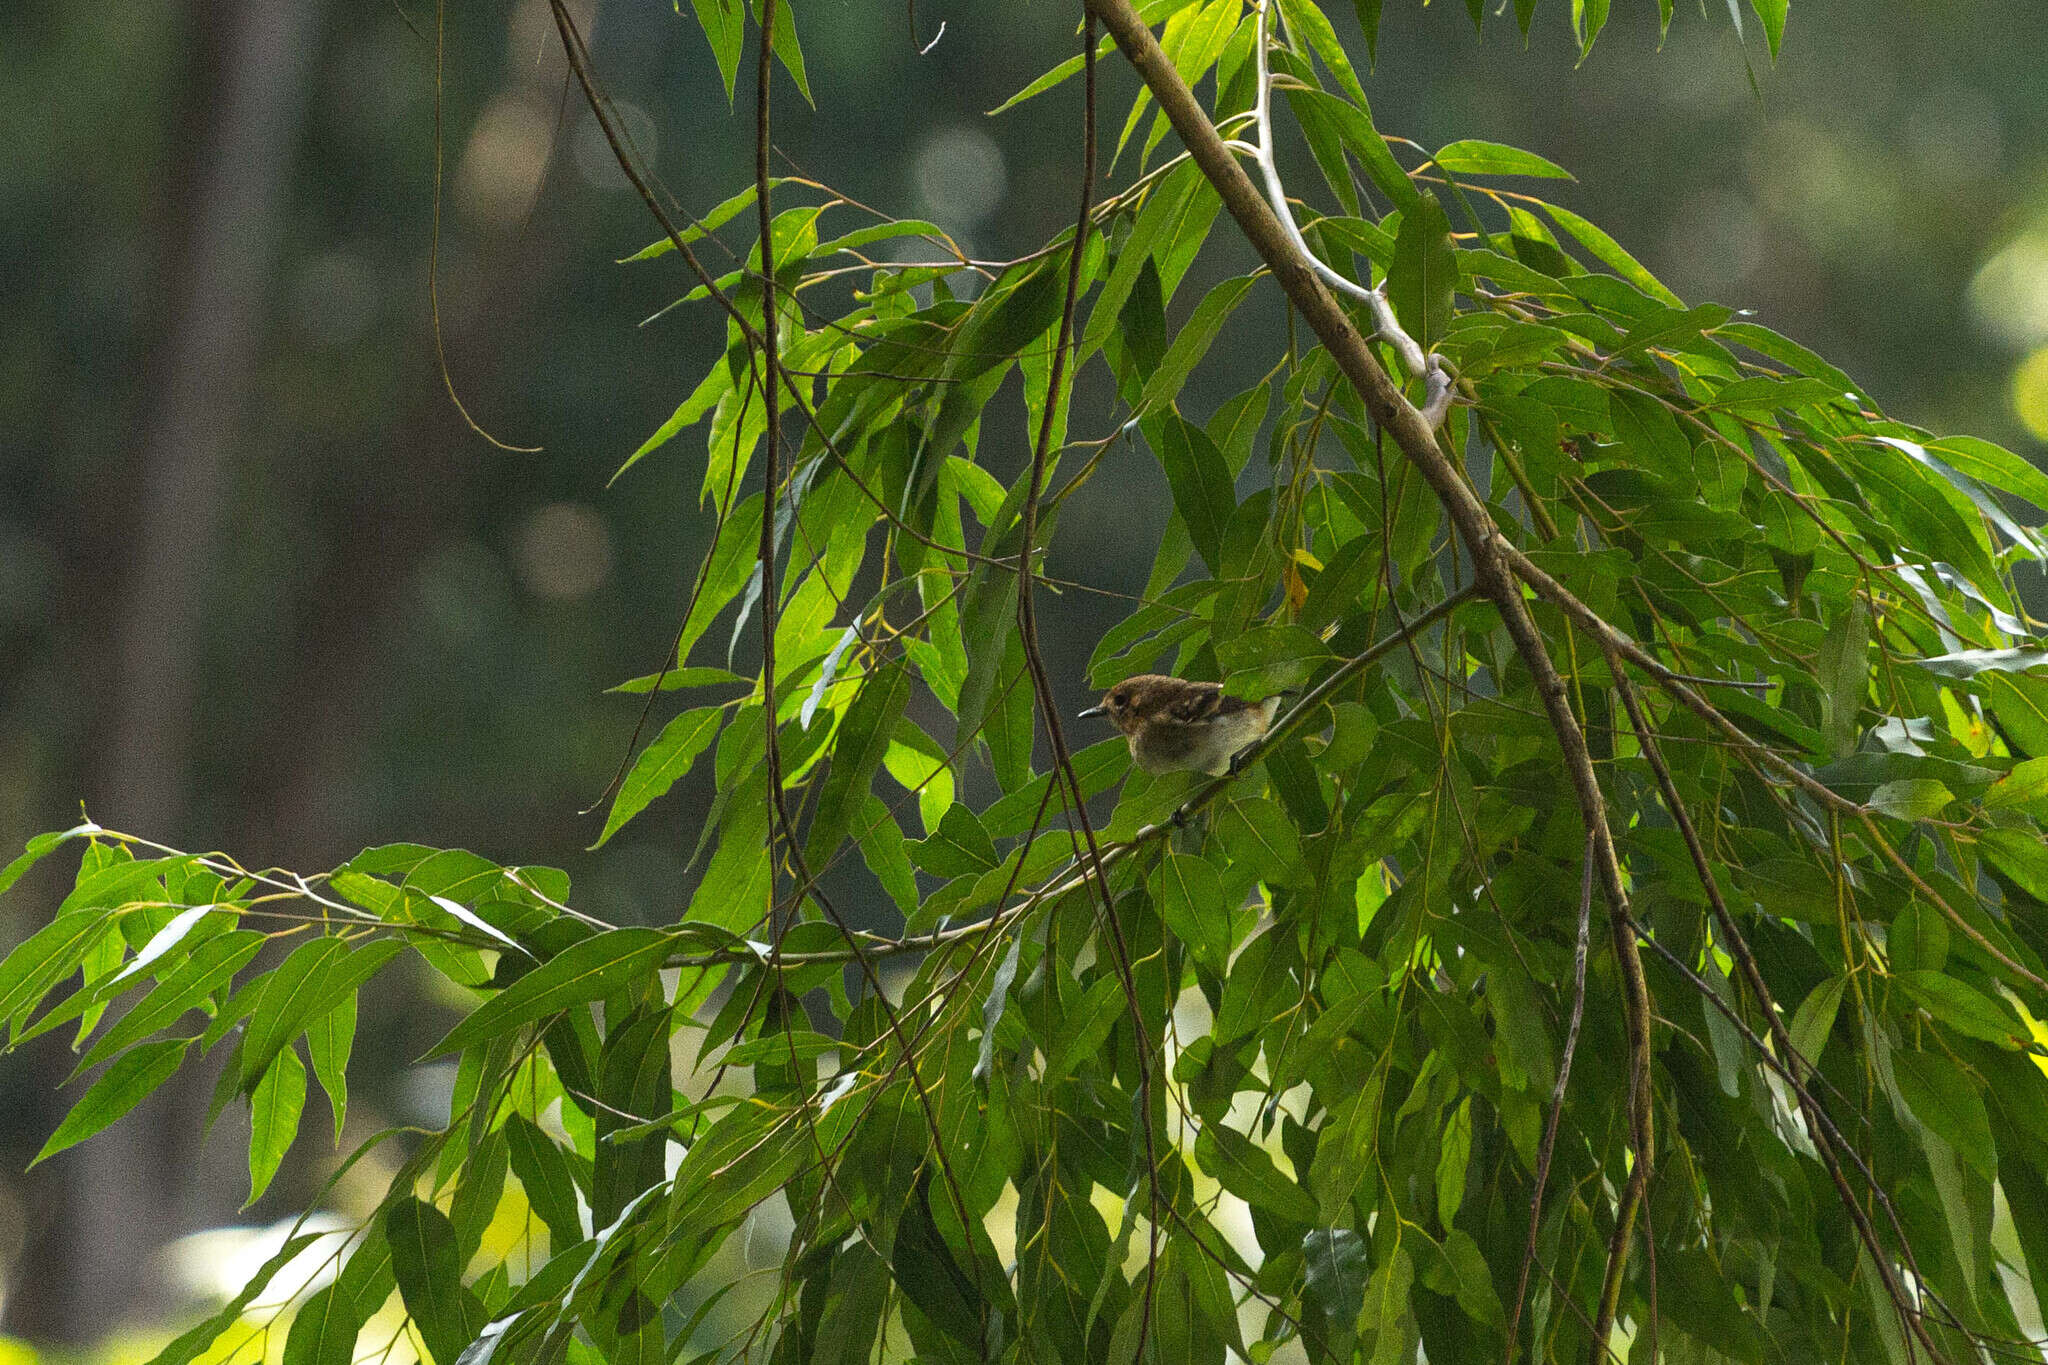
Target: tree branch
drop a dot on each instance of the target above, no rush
(1475, 528)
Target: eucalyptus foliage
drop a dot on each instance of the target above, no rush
(1323, 1060)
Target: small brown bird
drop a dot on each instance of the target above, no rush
(1171, 723)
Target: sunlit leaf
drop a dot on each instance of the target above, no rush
(133, 1076)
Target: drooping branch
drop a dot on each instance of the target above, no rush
(1063, 776)
(1483, 541)
(1825, 1134)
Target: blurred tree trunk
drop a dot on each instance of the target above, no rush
(89, 1261)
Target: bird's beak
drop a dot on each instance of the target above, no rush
(1091, 713)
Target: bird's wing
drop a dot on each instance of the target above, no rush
(1205, 704)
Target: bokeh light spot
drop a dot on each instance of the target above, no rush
(500, 172)
(2030, 393)
(563, 552)
(2009, 294)
(592, 151)
(959, 175)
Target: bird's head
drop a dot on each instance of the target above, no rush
(1134, 701)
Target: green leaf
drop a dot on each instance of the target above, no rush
(1018, 309)
(1193, 340)
(1306, 22)
(1912, 798)
(2019, 855)
(1917, 939)
(930, 1277)
(959, 847)
(1084, 1028)
(1384, 1322)
(1772, 12)
(1611, 254)
(45, 958)
(1918, 504)
(1258, 834)
(1980, 497)
(1369, 20)
(1588, 18)
(718, 217)
(725, 27)
(1967, 1011)
(583, 972)
(1190, 897)
(1455, 1155)
(703, 399)
(633, 1084)
(662, 764)
(1335, 1266)
(1199, 478)
(882, 848)
(1353, 123)
(857, 752)
(192, 982)
(1425, 271)
(133, 1077)
(274, 1111)
(329, 1040)
(1247, 1171)
(786, 50)
(1844, 672)
(1943, 1099)
(306, 985)
(2020, 705)
(1815, 1018)
(1065, 71)
(325, 1328)
(39, 848)
(544, 1172)
(1472, 157)
(2024, 788)
(851, 242)
(427, 1264)
(728, 568)
(1988, 464)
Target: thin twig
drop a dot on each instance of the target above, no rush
(1041, 681)
(1557, 1090)
(434, 243)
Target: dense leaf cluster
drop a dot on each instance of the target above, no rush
(1319, 1058)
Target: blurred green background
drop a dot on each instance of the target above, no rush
(262, 589)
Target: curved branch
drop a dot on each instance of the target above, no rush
(1413, 432)
(1437, 400)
